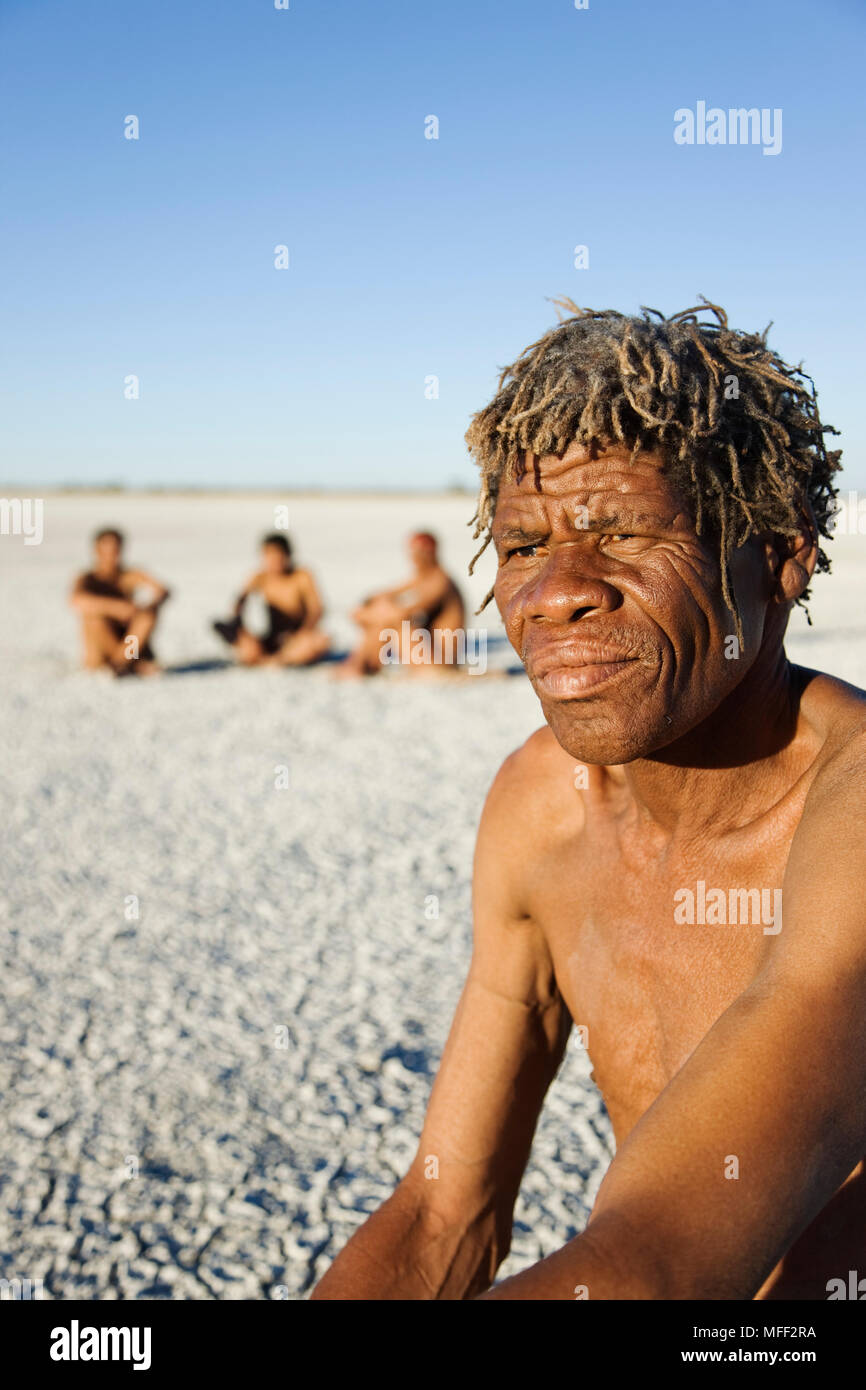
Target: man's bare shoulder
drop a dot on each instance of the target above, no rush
(836, 710)
(536, 786)
(837, 714)
(825, 925)
(531, 809)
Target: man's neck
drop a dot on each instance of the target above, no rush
(733, 767)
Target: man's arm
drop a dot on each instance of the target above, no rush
(396, 605)
(141, 579)
(380, 601)
(778, 1084)
(252, 584)
(447, 1227)
(99, 605)
(313, 606)
(427, 595)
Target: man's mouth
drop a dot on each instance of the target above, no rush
(567, 673)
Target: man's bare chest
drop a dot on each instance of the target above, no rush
(283, 592)
(648, 955)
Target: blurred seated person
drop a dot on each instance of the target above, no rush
(294, 637)
(429, 601)
(116, 626)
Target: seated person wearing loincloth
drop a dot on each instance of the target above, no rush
(429, 601)
(115, 626)
(294, 637)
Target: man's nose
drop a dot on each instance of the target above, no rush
(568, 586)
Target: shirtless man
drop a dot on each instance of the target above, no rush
(682, 752)
(430, 600)
(115, 626)
(294, 637)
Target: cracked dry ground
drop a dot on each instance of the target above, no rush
(204, 1100)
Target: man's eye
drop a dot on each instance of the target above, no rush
(525, 551)
(628, 541)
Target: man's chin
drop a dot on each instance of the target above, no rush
(603, 740)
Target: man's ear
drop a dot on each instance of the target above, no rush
(792, 559)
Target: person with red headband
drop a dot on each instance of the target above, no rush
(429, 602)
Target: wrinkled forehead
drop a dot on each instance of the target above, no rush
(603, 483)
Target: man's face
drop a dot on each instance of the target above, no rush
(274, 559)
(614, 604)
(421, 552)
(108, 551)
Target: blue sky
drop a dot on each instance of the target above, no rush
(408, 257)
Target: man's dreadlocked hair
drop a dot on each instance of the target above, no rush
(738, 428)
